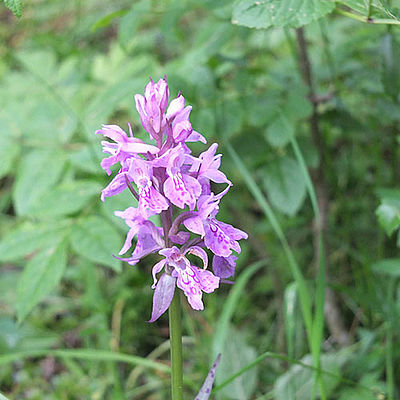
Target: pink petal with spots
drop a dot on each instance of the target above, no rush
(208, 281)
(217, 241)
(190, 284)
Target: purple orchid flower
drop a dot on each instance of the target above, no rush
(152, 106)
(179, 187)
(224, 267)
(165, 178)
(207, 168)
(219, 237)
(124, 147)
(191, 279)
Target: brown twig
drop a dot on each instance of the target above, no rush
(332, 312)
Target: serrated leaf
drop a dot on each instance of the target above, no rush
(40, 276)
(96, 239)
(15, 6)
(389, 266)
(266, 13)
(279, 132)
(29, 237)
(66, 198)
(285, 185)
(378, 8)
(388, 218)
(36, 174)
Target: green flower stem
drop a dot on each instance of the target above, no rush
(175, 329)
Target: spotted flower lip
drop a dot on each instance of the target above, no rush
(190, 279)
(167, 180)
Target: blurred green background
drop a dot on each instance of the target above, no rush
(68, 67)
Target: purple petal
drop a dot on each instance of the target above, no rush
(208, 281)
(180, 238)
(116, 186)
(113, 132)
(205, 390)
(182, 131)
(155, 270)
(140, 107)
(196, 137)
(216, 176)
(152, 201)
(217, 241)
(163, 295)
(233, 232)
(175, 107)
(144, 148)
(182, 189)
(224, 267)
(195, 225)
(189, 282)
(128, 241)
(199, 252)
(182, 115)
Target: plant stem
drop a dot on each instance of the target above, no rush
(362, 18)
(175, 329)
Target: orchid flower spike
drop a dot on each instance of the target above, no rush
(166, 180)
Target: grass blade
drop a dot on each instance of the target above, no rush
(87, 355)
(230, 305)
(305, 299)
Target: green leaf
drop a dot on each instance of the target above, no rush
(389, 266)
(87, 159)
(96, 239)
(237, 353)
(388, 218)
(298, 382)
(2, 397)
(285, 185)
(230, 305)
(9, 151)
(105, 21)
(66, 198)
(265, 13)
(230, 118)
(15, 6)
(36, 174)
(378, 9)
(29, 237)
(391, 61)
(40, 276)
(278, 133)
(86, 355)
(132, 21)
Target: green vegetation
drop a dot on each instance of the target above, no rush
(303, 99)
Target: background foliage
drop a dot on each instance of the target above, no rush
(67, 67)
